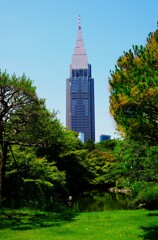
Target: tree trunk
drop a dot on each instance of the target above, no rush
(1, 167)
(3, 157)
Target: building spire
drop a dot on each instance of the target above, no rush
(79, 22)
(79, 28)
(79, 57)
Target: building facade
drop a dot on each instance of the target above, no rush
(80, 114)
(104, 137)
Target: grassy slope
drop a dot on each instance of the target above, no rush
(109, 225)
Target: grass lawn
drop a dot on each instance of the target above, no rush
(109, 225)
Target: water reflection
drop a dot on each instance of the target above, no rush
(102, 201)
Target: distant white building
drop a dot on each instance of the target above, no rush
(81, 136)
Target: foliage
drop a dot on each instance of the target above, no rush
(90, 145)
(77, 173)
(16, 95)
(134, 106)
(30, 180)
(138, 169)
(66, 150)
(25, 121)
(54, 165)
(138, 162)
(101, 165)
(134, 91)
(107, 145)
(57, 142)
(147, 197)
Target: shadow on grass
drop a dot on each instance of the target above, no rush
(17, 220)
(150, 233)
(153, 214)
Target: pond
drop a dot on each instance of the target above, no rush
(102, 201)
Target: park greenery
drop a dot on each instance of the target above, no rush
(134, 106)
(42, 162)
(27, 224)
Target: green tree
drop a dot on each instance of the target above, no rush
(134, 91)
(101, 165)
(138, 162)
(131, 156)
(64, 148)
(106, 145)
(26, 122)
(90, 145)
(15, 94)
(24, 119)
(77, 173)
(137, 169)
(31, 180)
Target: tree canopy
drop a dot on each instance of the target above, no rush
(25, 122)
(24, 119)
(134, 106)
(134, 91)
(15, 94)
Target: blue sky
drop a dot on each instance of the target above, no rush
(37, 37)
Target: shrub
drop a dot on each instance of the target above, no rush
(147, 197)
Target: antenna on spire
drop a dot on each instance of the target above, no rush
(79, 22)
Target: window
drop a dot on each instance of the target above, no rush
(73, 73)
(85, 72)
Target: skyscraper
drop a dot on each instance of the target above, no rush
(80, 115)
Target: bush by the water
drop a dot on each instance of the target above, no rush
(147, 197)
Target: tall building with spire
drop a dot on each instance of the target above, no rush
(80, 115)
